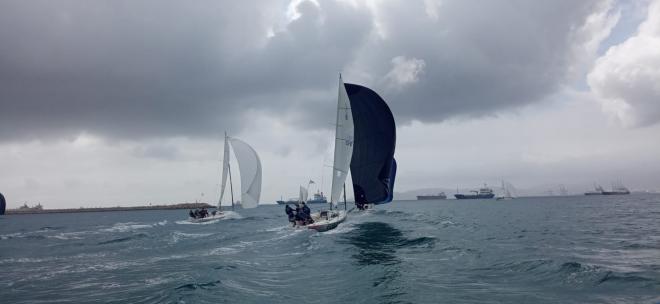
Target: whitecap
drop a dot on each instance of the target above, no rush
(177, 236)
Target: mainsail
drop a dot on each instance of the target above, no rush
(225, 169)
(249, 165)
(303, 194)
(373, 167)
(343, 143)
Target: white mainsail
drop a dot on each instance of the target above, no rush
(303, 194)
(225, 169)
(249, 165)
(343, 143)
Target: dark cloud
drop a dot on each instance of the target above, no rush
(479, 57)
(135, 69)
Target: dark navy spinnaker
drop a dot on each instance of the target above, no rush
(372, 166)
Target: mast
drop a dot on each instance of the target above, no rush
(344, 196)
(231, 185)
(231, 188)
(225, 168)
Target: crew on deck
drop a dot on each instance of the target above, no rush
(301, 216)
(198, 213)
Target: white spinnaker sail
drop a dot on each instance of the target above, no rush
(249, 165)
(343, 143)
(303, 194)
(225, 169)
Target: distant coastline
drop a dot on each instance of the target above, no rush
(109, 209)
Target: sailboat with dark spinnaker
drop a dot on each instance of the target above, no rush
(365, 140)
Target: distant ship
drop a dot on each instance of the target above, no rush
(439, 196)
(317, 198)
(617, 189)
(25, 207)
(598, 190)
(483, 193)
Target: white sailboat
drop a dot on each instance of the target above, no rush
(506, 192)
(326, 220)
(249, 166)
(365, 139)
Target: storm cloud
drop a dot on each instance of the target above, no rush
(139, 69)
(126, 102)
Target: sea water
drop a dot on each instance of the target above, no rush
(580, 249)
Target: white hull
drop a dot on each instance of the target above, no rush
(330, 222)
(218, 216)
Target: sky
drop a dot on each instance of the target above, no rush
(106, 103)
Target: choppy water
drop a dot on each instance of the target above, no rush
(530, 250)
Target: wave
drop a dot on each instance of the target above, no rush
(34, 235)
(611, 277)
(572, 273)
(131, 226)
(51, 228)
(124, 239)
(194, 286)
(177, 236)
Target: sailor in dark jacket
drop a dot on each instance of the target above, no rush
(300, 215)
(289, 213)
(307, 213)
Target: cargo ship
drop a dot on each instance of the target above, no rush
(317, 198)
(598, 190)
(483, 193)
(617, 189)
(439, 196)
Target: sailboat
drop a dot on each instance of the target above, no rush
(506, 192)
(365, 138)
(249, 166)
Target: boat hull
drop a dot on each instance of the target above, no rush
(219, 216)
(308, 202)
(330, 222)
(431, 197)
(474, 196)
(616, 192)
